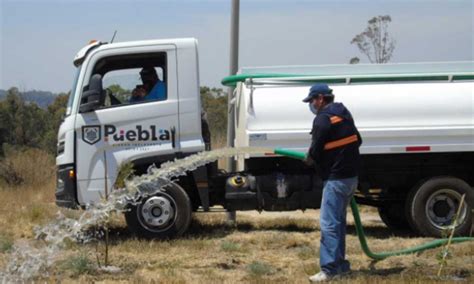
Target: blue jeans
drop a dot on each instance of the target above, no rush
(336, 197)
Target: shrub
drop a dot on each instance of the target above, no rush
(230, 246)
(8, 173)
(79, 265)
(258, 269)
(6, 244)
(305, 252)
(124, 172)
(36, 213)
(28, 166)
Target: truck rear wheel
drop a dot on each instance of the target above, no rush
(162, 216)
(432, 206)
(393, 215)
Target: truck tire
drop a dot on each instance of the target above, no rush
(393, 215)
(432, 205)
(162, 216)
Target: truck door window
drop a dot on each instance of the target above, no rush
(124, 86)
(133, 79)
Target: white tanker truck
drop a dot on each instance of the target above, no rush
(416, 121)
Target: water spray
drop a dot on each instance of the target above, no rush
(31, 259)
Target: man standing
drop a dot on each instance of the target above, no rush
(335, 153)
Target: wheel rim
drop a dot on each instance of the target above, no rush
(157, 213)
(441, 208)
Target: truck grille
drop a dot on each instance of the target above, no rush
(60, 149)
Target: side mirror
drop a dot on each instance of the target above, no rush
(93, 98)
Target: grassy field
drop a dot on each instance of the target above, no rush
(260, 248)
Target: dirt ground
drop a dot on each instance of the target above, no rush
(260, 248)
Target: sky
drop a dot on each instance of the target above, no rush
(38, 39)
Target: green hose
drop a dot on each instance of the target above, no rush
(360, 229)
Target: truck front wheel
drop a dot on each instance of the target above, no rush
(432, 206)
(162, 216)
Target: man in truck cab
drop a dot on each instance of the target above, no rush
(334, 152)
(152, 88)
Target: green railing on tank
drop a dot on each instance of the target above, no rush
(357, 73)
(231, 81)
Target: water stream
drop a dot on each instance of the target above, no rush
(33, 258)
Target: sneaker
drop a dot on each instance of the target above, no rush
(320, 277)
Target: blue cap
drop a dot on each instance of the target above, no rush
(318, 89)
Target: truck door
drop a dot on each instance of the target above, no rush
(137, 119)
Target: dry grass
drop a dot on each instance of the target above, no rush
(260, 248)
(30, 166)
(22, 208)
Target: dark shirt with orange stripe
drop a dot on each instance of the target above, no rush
(335, 143)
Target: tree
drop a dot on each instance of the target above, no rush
(354, 60)
(55, 115)
(24, 124)
(375, 41)
(214, 103)
(120, 93)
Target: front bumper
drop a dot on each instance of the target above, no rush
(66, 189)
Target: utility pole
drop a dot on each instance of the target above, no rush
(234, 66)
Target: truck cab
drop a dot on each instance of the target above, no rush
(105, 126)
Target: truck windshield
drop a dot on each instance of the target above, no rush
(73, 91)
